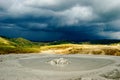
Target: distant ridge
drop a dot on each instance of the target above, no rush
(4, 41)
(22, 41)
(103, 41)
(100, 41)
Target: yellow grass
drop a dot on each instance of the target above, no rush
(83, 49)
(4, 41)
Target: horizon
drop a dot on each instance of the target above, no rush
(95, 41)
(54, 20)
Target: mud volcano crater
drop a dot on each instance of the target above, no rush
(65, 64)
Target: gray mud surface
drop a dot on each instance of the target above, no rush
(80, 67)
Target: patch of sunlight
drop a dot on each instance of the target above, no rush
(4, 41)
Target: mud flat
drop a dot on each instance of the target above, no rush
(59, 67)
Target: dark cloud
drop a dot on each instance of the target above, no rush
(47, 20)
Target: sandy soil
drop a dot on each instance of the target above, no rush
(32, 67)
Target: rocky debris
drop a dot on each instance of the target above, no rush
(1, 60)
(118, 65)
(86, 78)
(76, 79)
(114, 74)
(60, 61)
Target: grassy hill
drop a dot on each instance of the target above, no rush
(21, 45)
(21, 42)
(17, 45)
(4, 41)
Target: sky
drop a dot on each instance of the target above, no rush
(51, 20)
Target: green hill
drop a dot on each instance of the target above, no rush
(21, 42)
(17, 45)
(4, 41)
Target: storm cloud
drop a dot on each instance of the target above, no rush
(49, 20)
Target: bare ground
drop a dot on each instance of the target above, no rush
(11, 69)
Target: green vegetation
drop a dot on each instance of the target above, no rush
(21, 45)
(17, 45)
(7, 50)
(21, 42)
